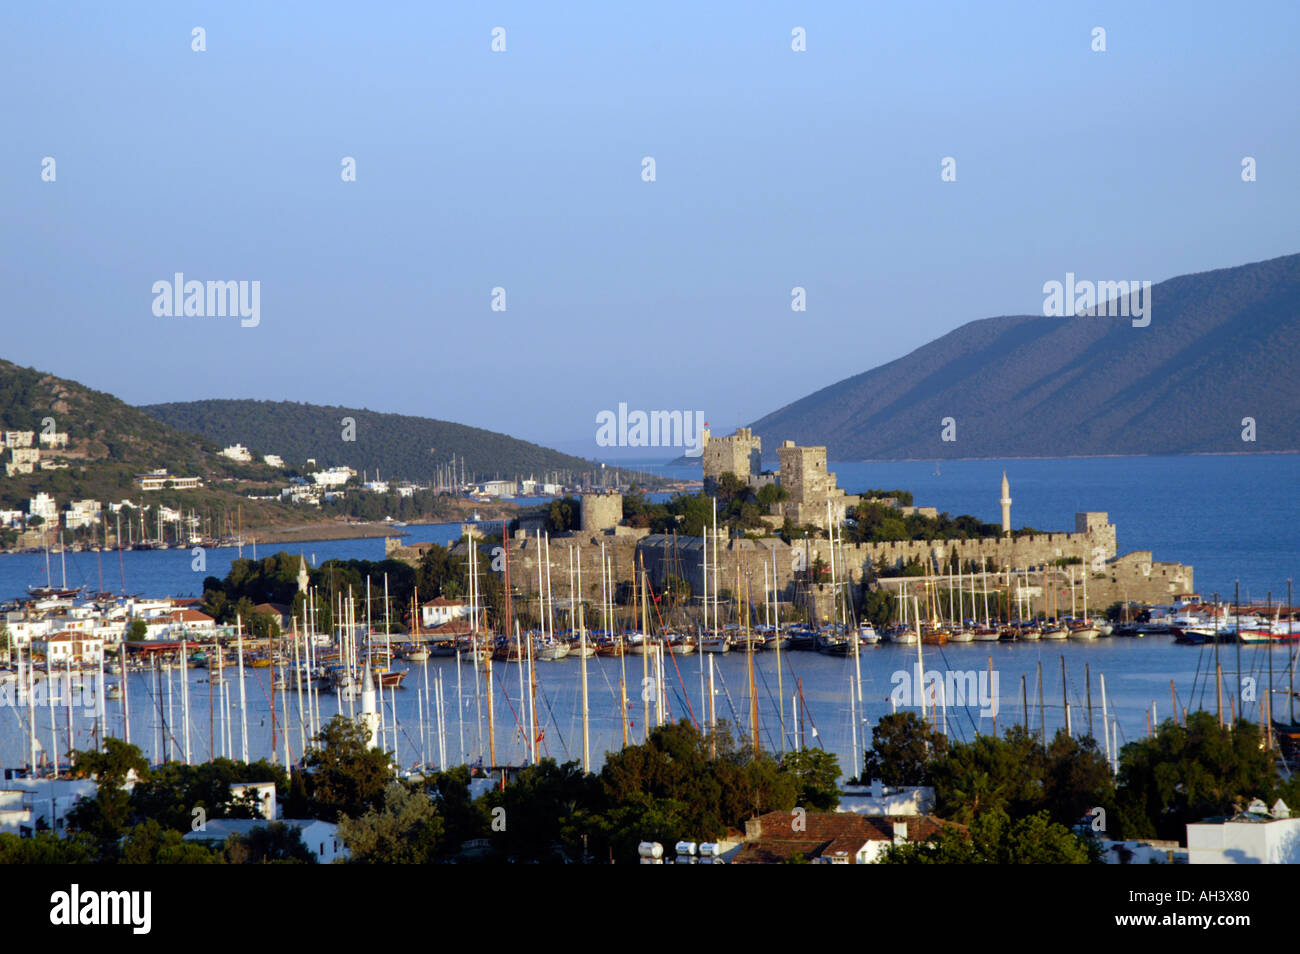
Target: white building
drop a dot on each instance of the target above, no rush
(320, 837)
(1257, 836)
(881, 799)
(440, 611)
(11, 518)
(24, 631)
(274, 460)
(178, 624)
(43, 506)
(27, 804)
(237, 452)
(68, 646)
(1142, 852)
(82, 513)
(264, 792)
(498, 488)
(333, 477)
(54, 439)
(19, 438)
(160, 480)
(376, 486)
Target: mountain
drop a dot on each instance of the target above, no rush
(397, 445)
(1221, 346)
(109, 441)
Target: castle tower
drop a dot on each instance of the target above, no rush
(1006, 504)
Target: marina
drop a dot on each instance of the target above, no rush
(775, 675)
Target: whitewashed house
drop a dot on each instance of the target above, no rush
(1258, 836)
(440, 611)
(64, 648)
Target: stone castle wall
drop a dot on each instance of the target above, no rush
(741, 562)
(601, 511)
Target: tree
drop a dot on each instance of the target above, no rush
(988, 774)
(149, 843)
(104, 817)
(406, 830)
(682, 785)
(47, 848)
(544, 814)
(463, 817)
(276, 843)
(993, 838)
(1076, 779)
(878, 607)
(817, 773)
(344, 775)
(173, 791)
(902, 750)
(564, 513)
(1189, 772)
(137, 631)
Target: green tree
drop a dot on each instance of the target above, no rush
(276, 843)
(1189, 772)
(1076, 779)
(406, 830)
(105, 816)
(137, 631)
(173, 791)
(817, 772)
(47, 848)
(902, 751)
(995, 839)
(344, 775)
(564, 514)
(463, 818)
(544, 813)
(988, 774)
(149, 843)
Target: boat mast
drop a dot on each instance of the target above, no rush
(648, 687)
(582, 656)
(185, 696)
(492, 734)
(243, 710)
(780, 685)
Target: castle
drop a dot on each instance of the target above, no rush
(812, 495)
(1091, 549)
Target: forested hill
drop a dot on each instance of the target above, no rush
(108, 441)
(1221, 346)
(398, 445)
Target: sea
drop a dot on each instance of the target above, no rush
(1233, 518)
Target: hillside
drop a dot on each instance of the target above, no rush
(109, 442)
(399, 446)
(1221, 346)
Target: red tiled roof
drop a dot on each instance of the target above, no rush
(772, 852)
(829, 834)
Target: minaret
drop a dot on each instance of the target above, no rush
(369, 714)
(1006, 505)
(302, 574)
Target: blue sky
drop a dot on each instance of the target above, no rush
(522, 169)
